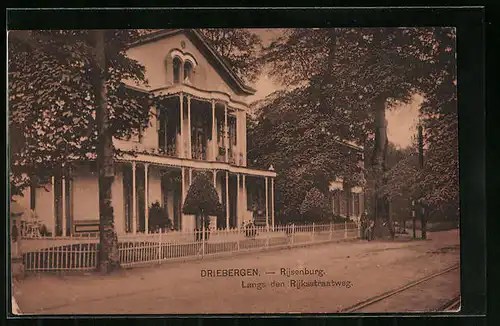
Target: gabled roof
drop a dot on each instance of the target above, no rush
(211, 54)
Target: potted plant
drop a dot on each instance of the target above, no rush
(158, 217)
(250, 230)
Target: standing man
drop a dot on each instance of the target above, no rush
(363, 223)
(369, 230)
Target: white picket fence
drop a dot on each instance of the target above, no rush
(59, 253)
(81, 253)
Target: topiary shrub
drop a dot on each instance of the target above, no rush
(158, 217)
(314, 207)
(202, 201)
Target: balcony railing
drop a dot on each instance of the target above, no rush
(199, 153)
(234, 157)
(169, 150)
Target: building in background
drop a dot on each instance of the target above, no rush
(349, 201)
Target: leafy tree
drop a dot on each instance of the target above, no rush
(288, 134)
(202, 200)
(356, 75)
(239, 47)
(66, 102)
(437, 184)
(314, 206)
(439, 181)
(400, 180)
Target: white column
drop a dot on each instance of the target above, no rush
(134, 203)
(63, 184)
(183, 189)
(267, 204)
(227, 200)
(181, 113)
(353, 204)
(238, 199)
(226, 134)
(71, 199)
(243, 139)
(53, 190)
(183, 192)
(189, 128)
(244, 195)
(146, 199)
(239, 137)
(272, 201)
(215, 149)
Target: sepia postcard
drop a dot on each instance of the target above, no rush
(234, 171)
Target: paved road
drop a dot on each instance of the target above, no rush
(370, 268)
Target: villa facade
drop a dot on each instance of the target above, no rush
(346, 201)
(200, 125)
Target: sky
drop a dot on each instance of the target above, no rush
(401, 120)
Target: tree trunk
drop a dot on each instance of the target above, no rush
(108, 240)
(421, 168)
(378, 166)
(327, 74)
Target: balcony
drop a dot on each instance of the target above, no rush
(170, 151)
(199, 153)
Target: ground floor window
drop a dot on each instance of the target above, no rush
(343, 203)
(356, 204)
(127, 197)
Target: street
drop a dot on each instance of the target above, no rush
(351, 272)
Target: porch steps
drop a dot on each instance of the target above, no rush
(259, 221)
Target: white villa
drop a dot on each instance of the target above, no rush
(200, 126)
(346, 201)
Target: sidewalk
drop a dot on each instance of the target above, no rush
(15, 307)
(177, 288)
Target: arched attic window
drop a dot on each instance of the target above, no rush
(188, 71)
(177, 63)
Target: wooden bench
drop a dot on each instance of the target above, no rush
(87, 226)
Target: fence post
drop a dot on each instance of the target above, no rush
(267, 236)
(160, 247)
(345, 229)
(203, 239)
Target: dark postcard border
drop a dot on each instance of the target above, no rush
(470, 49)
(231, 17)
